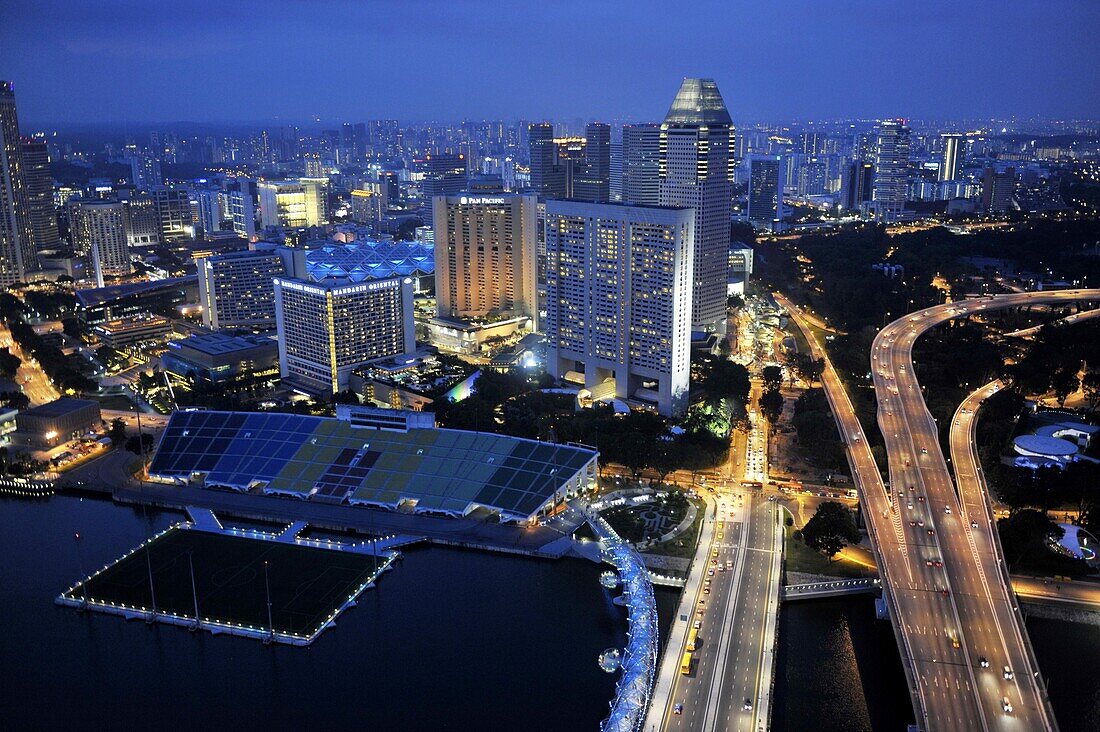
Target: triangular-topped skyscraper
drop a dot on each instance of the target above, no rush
(696, 170)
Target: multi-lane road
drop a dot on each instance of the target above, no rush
(731, 600)
(965, 651)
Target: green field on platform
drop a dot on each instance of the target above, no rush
(307, 585)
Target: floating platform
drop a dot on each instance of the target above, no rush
(272, 588)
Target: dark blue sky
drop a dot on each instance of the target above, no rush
(223, 60)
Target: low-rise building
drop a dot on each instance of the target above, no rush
(52, 424)
(218, 357)
(128, 331)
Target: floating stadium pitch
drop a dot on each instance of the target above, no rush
(308, 586)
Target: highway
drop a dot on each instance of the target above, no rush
(976, 609)
(1068, 320)
(947, 592)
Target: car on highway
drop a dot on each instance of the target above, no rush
(947, 510)
(698, 625)
(912, 522)
(678, 709)
(1008, 673)
(729, 564)
(931, 532)
(747, 706)
(710, 573)
(983, 661)
(944, 592)
(920, 498)
(973, 524)
(1006, 705)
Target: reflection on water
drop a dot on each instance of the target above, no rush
(839, 669)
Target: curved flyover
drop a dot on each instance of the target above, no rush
(947, 581)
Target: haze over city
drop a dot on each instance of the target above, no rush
(433, 60)
(556, 366)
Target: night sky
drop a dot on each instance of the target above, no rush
(235, 60)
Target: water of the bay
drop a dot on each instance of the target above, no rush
(448, 640)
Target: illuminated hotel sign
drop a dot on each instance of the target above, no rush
(346, 290)
(480, 200)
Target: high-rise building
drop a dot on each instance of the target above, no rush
(174, 213)
(891, 169)
(142, 222)
(642, 164)
(697, 171)
(766, 180)
(39, 182)
(367, 203)
(619, 300)
(998, 190)
(293, 203)
(236, 290)
(209, 209)
(617, 170)
(99, 234)
(328, 329)
(592, 179)
(18, 255)
(952, 156)
(485, 255)
(856, 186)
(547, 176)
(145, 171)
(444, 175)
(242, 208)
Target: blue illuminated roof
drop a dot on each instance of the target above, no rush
(365, 259)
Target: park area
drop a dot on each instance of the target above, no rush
(307, 585)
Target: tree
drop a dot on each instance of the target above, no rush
(771, 404)
(9, 363)
(345, 397)
(117, 432)
(773, 377)
(140, 446)
(1064, 382)
(721, 378)
(808, 368)
(830, 529)
(1090, 385)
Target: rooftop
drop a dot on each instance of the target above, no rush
(101, 295)
(366, 259)
(698, 102)
(215, 344)
(440, 470)
(59, 407)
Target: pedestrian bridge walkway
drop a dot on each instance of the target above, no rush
(837, 588)
(639, 659)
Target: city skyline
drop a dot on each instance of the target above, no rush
(432, 61)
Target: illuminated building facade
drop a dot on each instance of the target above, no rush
(17, 251)
(619, 300)
(99, 234)
(328, 329)
(485, 255)
(293, 204)
(236, 289)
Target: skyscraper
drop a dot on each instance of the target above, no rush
(766, 181)
(592, 181)
(696, 170)
(891, 169)
(485, 255)
(547, 177)
(642, 164)
(292, 203)
(998, 190)
(444, 175)
(856, 186)
(99, 234)
(619, 295)
(17, 252)
(952, 156)
(36, 173)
